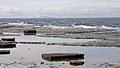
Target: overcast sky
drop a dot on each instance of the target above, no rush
(59, 8)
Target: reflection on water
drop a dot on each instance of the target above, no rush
(45, 39)
(77, 63)
(29, 55)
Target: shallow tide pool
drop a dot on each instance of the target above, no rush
(47, 39)
(29, 56)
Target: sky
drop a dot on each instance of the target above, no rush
(59, 8)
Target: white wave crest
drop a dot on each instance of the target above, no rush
(56, 27)
(19, 24)
(105, 27)
(85, 26)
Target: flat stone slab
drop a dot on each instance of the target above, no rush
(4, 51)
(7, 45)
(31, 42)
(30, 32)
(10, 45)
(8, 39)
(62, 56)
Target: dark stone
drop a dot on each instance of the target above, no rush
(42, 63)
(62, 56)
(31, 42)
(30, 32)
(7, 45)
(8, 39)
(76, 63)
(4, 51)
(21, 58)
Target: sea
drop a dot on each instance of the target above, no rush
(30, 55)
(108, 22)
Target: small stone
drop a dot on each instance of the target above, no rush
(42, 63)
(29, 48)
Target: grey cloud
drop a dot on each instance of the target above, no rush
(61, 12)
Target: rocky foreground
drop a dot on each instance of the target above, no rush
(105, 37)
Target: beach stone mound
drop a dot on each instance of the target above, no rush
(62, 56)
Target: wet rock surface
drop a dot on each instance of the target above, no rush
(7, 45)
(109, 65)
(62, 56)
(108, 37)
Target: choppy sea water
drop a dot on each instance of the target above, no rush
(109, 22)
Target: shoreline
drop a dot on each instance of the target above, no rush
(107, 37)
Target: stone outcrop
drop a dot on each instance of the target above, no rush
(30, 32)
(62, 56)
(8, 39)
(4, 51)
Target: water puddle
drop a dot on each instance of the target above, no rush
(29, 55)
(47, 39)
